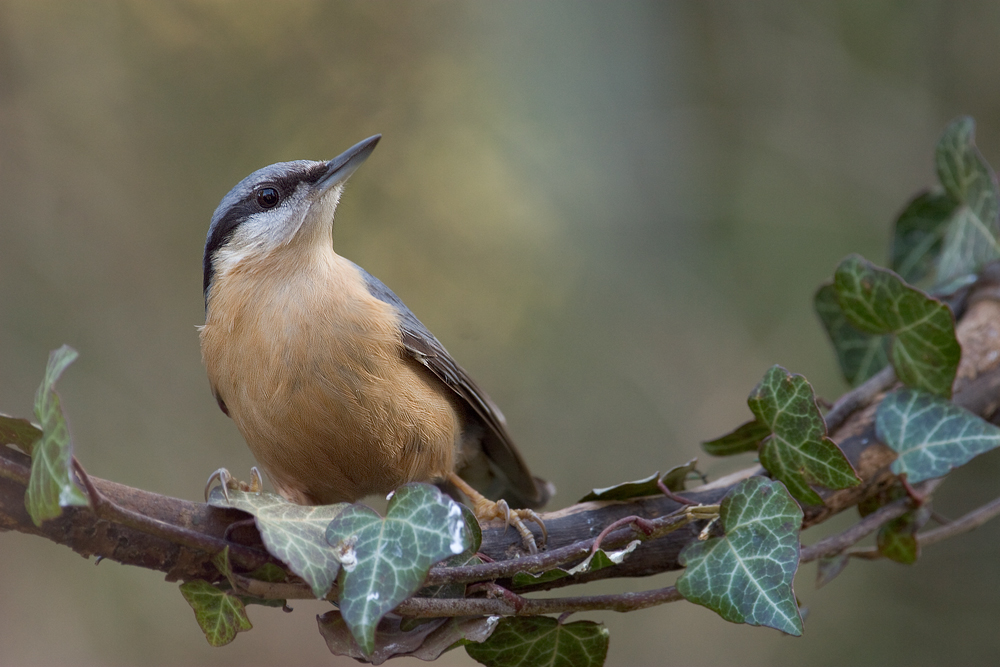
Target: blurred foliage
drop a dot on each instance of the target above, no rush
(613, 215)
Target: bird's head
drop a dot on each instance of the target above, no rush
(279, 204)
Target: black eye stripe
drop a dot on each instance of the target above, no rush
(232, 218)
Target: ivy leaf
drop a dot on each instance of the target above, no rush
(220, 614)
(675, 479)
(598, 560)
(931, 435)
(475, 531)
(18, 431)
(925, 351)
(294, 534)
(971, 238)
(897, 539)
(387, 559)
(919, 234)
(861, 355)
(745, 438)
(635, 489)
(52, 486)
(798, 451)
(427, 640)
(746, 575)
(541, 640)
(267, 572)
(829, 567)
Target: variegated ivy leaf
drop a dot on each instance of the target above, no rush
(294, 534)
(931, 435)
(541, 640)
(52, 486)
(798, 451)
(746, 575)
(220, 614)
(924, 351)
(386, 560)
(970, 240)
(861, 355)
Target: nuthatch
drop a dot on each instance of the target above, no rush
(338, 389)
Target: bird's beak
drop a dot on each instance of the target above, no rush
(340, 168)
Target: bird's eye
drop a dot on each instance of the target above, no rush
(267, 197)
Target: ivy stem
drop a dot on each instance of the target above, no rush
(673, 496)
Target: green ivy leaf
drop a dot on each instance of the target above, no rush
(269, 572)
(829, 567)
(971, 238)
(426, 640)
(18, 431)
(676, 478)
(635, 489)
(861, 355)
(220, 614)
(52, 486)
(798, 451)
(931, 435)
(745, 438)
(474, 529)
(746, 575)
(541, 640)
(897, 539)
(598, 560)
(386, 560)
(294, 534)
(925, 351)
(919, 234)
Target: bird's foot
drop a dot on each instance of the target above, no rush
(488, 510)
(228, 482)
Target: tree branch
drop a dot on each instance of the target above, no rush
(179, 538)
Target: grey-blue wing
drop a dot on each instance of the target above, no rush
(497, 445)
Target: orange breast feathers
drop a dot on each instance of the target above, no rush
(311, 368)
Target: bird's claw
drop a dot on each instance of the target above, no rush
(222, 476)
(488, 510)
(226, 479)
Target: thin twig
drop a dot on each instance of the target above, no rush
(859, 397)
(836, 544)
(622, 602)
(963, 524)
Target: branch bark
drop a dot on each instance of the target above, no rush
(571, 530)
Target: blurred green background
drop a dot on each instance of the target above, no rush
(613, 214)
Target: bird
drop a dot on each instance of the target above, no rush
(338, 389)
